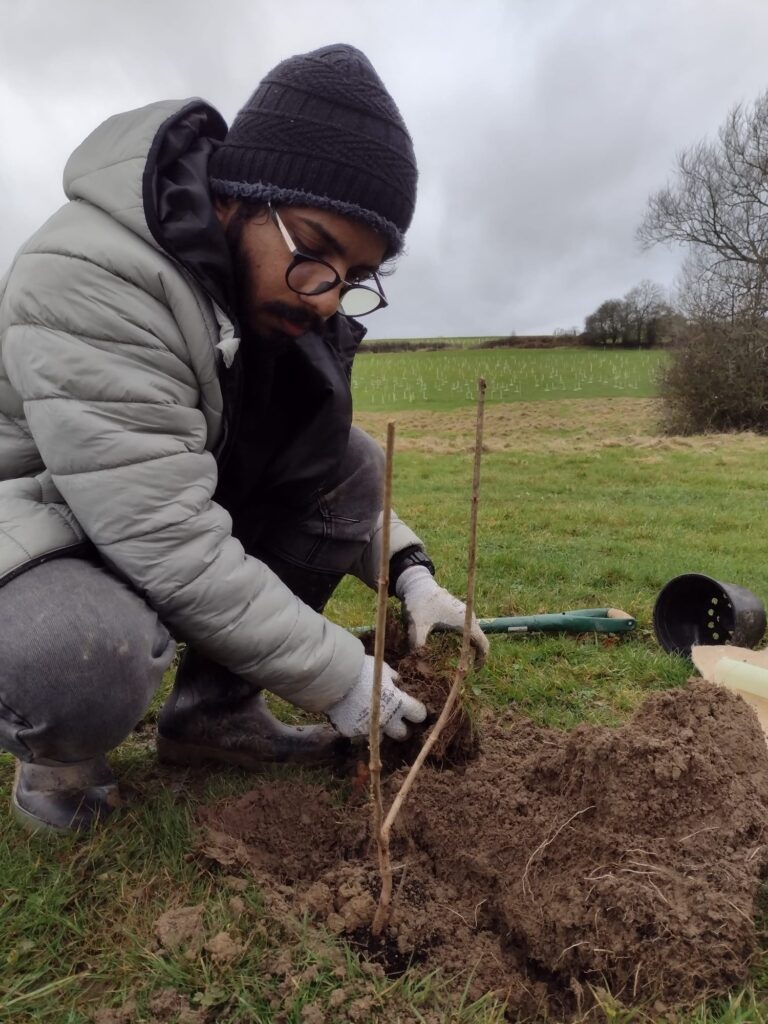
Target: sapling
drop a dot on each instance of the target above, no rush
(384, 827)
(374, 736)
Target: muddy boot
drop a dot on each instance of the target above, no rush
(213, 715)
(65, 797)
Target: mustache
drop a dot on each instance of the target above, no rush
(298, 317)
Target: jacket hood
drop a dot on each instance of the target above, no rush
(147, 169)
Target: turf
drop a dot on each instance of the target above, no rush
(446, 379)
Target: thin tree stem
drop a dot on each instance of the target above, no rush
(382, 911)
(374, 736)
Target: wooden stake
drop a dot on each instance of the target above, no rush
(374, 735)
(382, 911)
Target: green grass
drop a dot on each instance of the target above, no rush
(453, 342)
(558, 530)
(447, 379)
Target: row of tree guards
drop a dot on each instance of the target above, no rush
(383, 822)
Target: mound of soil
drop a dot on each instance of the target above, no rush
(552, 869)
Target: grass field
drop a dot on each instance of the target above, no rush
(582, 504)
(447, 379)
(453, 342)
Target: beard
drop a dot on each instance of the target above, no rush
(250, 310)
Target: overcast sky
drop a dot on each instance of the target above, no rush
(540, 126)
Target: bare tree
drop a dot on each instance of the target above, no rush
(717, 205)
(725, 292)
(645, 312)
(607, 324)
(640, 318)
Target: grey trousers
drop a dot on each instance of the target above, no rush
(81, 654)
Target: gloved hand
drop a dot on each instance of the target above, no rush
(429, 606)
(352, 714)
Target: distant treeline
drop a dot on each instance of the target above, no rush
(529, 341)
(405, 346)
(435, 344)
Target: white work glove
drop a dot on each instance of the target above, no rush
(352, 714)
(428, 606)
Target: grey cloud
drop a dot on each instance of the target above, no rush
(540, 128)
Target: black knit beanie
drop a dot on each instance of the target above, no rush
(321, 130)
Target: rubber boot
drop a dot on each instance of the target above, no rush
(64, 797)
(213, 715)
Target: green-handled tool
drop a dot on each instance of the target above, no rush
(581, 620)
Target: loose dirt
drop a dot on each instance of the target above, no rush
(181, 928)
(555, 869)
(166, 1007)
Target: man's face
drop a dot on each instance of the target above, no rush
(266, 305)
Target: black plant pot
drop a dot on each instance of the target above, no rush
(695, 609)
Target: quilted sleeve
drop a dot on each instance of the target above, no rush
(112, 402)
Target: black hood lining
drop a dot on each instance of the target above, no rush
(177, 200)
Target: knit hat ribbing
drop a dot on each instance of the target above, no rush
(321, 130)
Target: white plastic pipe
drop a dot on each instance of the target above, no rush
(742, 677)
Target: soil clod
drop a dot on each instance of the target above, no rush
(427, 674)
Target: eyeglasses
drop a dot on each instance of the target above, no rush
(308, 275)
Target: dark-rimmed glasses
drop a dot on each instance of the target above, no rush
(309, 275)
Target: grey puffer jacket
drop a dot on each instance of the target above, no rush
(112, 414)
